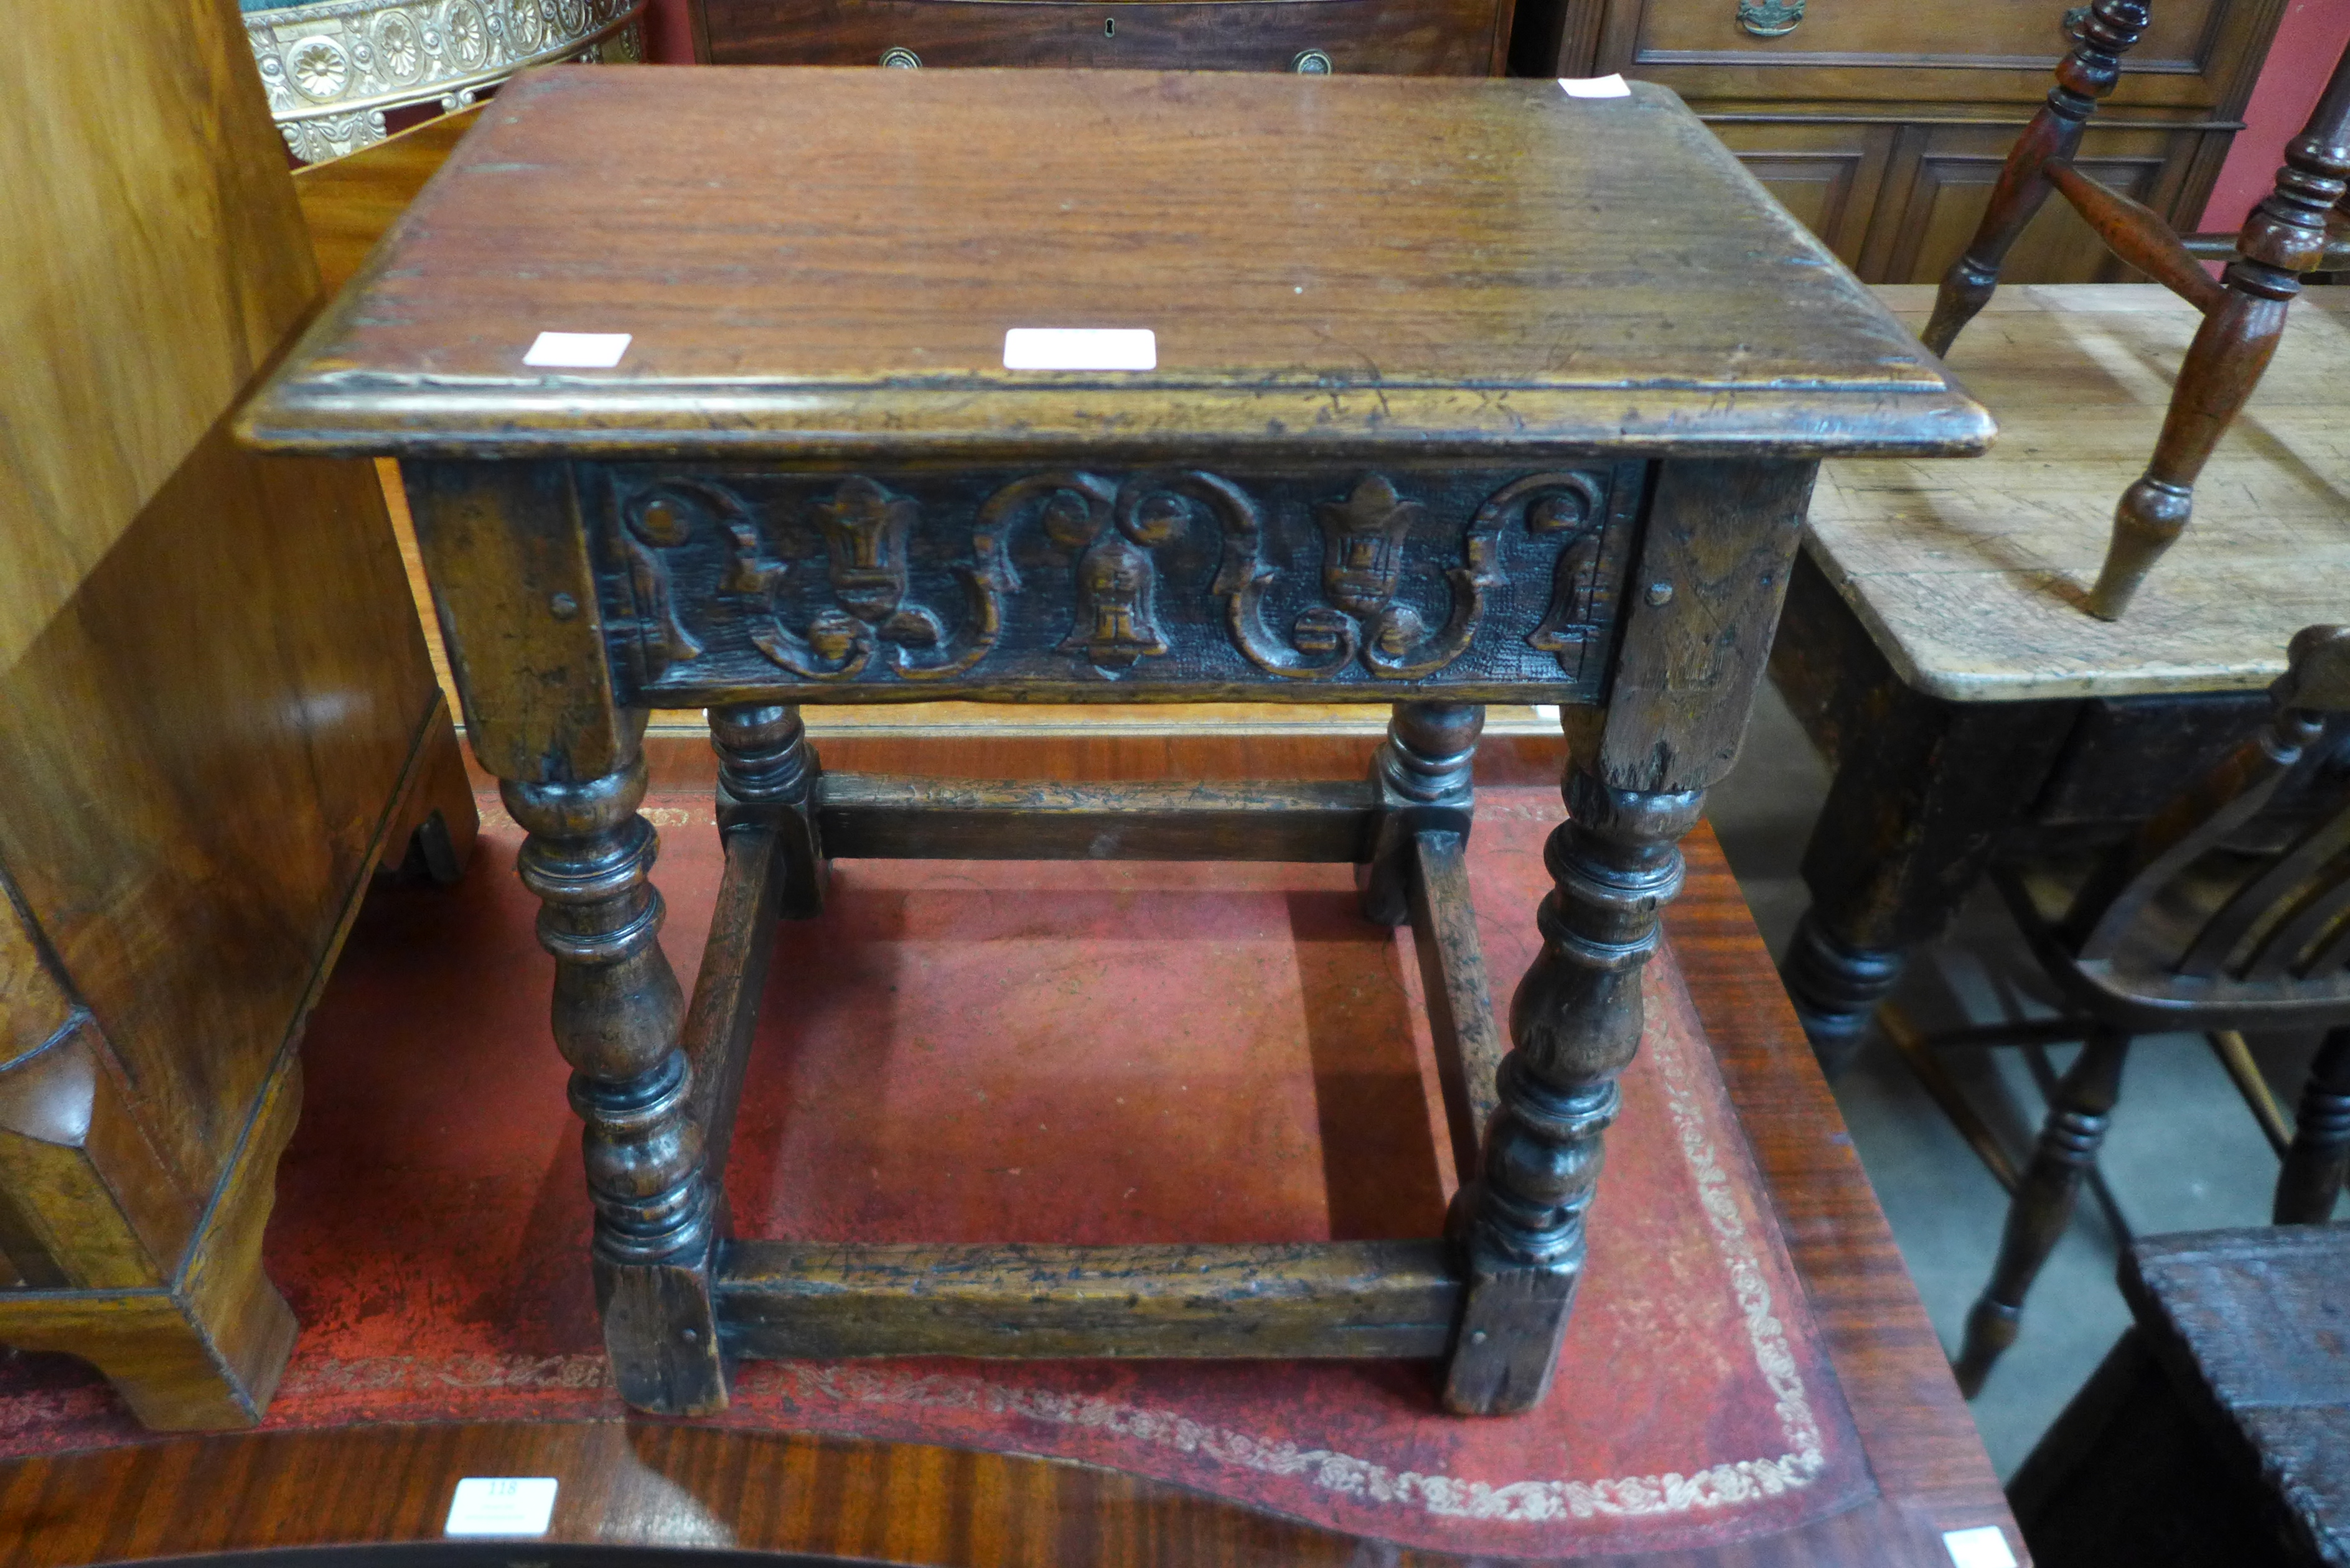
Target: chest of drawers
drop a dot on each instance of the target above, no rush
(1398, 38)
(1883, 125)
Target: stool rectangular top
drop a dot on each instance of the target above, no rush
(812, 263)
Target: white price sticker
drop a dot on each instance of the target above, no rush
(1984, 1546)
(578, 350)
(1611, 86)
(1080, 349)
(502, 1505)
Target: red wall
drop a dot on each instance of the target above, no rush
(2309, 40)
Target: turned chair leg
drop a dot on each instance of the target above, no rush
(2103, 33)
(2320, 1154)
(617, 1010)
(2078, 1115)
(2230, 351)
(2284, 237)
(1574, 1025)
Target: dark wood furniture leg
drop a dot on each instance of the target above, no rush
(1720, 539)
(2319, 1156)
(2078, 1115)
(1923, 790)
(617, 1011)
(1421, 776)
(1574, 1025)
(2243, 317)
(508, 556)
(767, 776)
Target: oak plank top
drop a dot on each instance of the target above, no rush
(1970, 575)
(823, 262)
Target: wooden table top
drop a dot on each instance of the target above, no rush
(825, 263)
(653, 1482)
(1970, 575)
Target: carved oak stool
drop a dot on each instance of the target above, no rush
(1464, 392)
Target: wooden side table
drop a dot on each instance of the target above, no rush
(1461, 391)
(1936, 649)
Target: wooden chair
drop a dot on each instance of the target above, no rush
(2230, 910)
(2244, 313)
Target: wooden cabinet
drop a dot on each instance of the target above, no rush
(1412, 37)
(216, 713)
(1883, 125)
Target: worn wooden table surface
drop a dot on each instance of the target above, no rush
(1935, 648)
(646, 1482)
(1970, 575)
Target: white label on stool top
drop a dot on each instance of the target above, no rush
(578, 350)
(1984, 1546)
(1081, 348)
(1609, 86)
(502, 1505)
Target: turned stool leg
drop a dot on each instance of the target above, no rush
(1575, 1024)
(1421, 771)
(2078, 1116)
(2320, 1156)
(766, 775)
(616, 1013)
(2103, 32)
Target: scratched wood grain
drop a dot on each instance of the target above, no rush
(1970, 575)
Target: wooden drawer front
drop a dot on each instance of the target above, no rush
(1406, 37)
(1315, 585)
(1902, 51)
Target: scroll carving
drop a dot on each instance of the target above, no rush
(718, 583)
(1568, 504)
(865, 527)
(1114, 532)
(1363, 539)
(651, 525)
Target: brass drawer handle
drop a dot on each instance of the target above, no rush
(1770, 19)
(1312, 62)
(900, 60)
